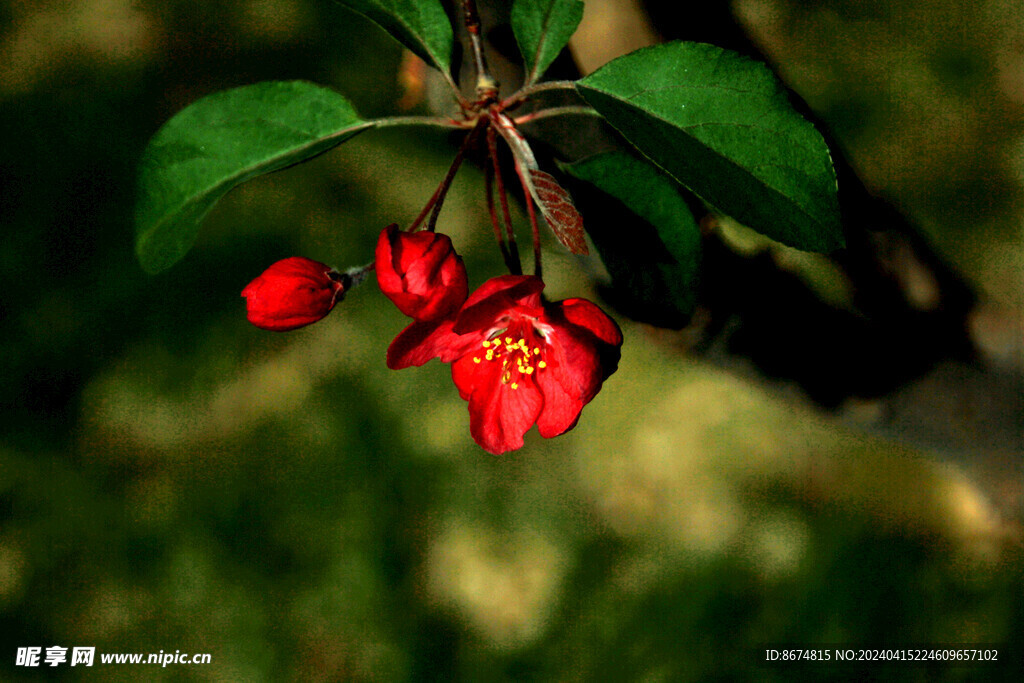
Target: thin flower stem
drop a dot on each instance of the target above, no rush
(438, 197)
(516, 266)
(531, 210)
(520, 148)
(437, 122)
(441, 189)
(486, 85)
(555, 111)
(353, 277)
(432, 223)
(492, 210)
(524, 163)
(447, 182)
(529, 90)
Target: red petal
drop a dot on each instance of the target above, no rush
(496, 297)
(573, 360)
(437, 282)
(298, 266)
(591, 321)
(467, 374)
(421, 341)
(499, 415)
(561, 409)
(514, 286)
(589, 315)
(387, 277)
(410, 247)
(422, 272)
(582, 350)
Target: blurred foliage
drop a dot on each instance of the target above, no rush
(927, 100)
(174, 479)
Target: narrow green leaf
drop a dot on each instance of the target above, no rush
(542, 29)
(221, 141)
(646, 236)
(721, 124)
(420, 25)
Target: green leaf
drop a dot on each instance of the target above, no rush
(721, 124)
(221, 141)
(542, 29)
(646, 235)
(420, 25)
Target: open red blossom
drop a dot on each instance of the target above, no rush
(518, 360)
(420, 272)
(292, 293)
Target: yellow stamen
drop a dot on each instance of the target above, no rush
(489, 355)
(515, 386)
(542, 365)
(476, 359)
(536, 351)
(529, 370)
(508, 340)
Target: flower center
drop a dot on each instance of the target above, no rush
(519, 359)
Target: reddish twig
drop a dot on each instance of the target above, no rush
(437, 199)
(493, 212)
(554, 111)
(531, 210)
(516, 266)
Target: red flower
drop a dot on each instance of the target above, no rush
(420, 272)
(292, 293)
(517, 360)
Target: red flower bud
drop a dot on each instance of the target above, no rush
(292, 293)
(421, 273)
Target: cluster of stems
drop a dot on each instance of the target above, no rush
(486, 120)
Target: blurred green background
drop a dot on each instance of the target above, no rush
(172, 478)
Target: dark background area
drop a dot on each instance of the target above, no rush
(172, 478)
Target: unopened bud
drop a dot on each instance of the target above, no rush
(292, 293)
(421, 273)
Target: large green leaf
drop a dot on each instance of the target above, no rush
(542, 29)
(420, 25)
(223, 140)
(721, 124)
(647, 236)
